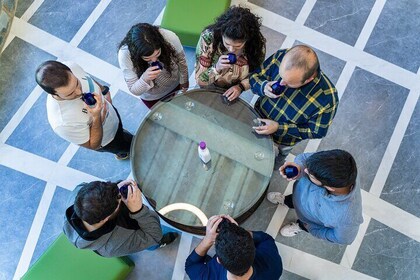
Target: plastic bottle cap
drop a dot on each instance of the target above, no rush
(202, 145)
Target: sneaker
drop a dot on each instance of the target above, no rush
(290, 230)
(168, 238)
(122, 156)
(276, 198)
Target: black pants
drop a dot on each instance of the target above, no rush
(288, 201)
(122, 140)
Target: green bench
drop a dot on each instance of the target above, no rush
(188, 18)
(62, 261)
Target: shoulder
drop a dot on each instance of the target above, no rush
(171, 38)
(207, 36)
(124, 54)
(75, 68)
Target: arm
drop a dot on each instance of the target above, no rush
(205, 73)
(108, 95)
(95, 130)
(136, 85)
(265, 73)
(341, 235)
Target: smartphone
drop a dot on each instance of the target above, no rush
(88, 98)
(124, 191)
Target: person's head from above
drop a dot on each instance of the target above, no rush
(299, 66)
(334, 170)
(238, 31)
(235, 248)
(97, 202)
(57, 79)
(146, 45)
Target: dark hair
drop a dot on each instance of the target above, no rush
(96, 200)
(302, 57)
(235, 248)
(240, 24)
(142, 40)
(334, 168)
(51, 75)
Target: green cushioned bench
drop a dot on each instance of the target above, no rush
(62, 261)
(188, 18)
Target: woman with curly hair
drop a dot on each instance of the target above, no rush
(153, 63)
(236, 32)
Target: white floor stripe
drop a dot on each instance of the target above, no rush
(42, 168)
(370, 23)
(35, 231)
(31, 10)
(312, 267)
(158, 20)
(90, 21)
(20, 114)
(183, 253)
(305, 11)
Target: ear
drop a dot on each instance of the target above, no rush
(217, 259)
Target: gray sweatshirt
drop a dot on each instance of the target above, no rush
(126, 234)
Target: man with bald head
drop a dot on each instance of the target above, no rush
(304, 103)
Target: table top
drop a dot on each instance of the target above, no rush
(165, 161)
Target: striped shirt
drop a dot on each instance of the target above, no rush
(165, 82)
(302, 113)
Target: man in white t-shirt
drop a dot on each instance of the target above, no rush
(96, 127)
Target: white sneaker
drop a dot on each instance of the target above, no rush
(290, 230)
(276, 198)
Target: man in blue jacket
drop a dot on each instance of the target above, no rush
(326, 197)
(240, 254)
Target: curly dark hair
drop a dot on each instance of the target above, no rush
(142, 40)
(239, 24)
(96, 200)
(235, 248)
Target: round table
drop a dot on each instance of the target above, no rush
(184, 191)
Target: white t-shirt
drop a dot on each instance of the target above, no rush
(70, 120)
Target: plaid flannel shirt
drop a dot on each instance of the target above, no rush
(302, 113)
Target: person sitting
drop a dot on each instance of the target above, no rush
(240, 254)
(111, 219)
(237, 32)
(153, 63)
(305, 100)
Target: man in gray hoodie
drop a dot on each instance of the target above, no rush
(110, 219)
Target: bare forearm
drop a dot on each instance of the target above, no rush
(203, 247)
(96, 133)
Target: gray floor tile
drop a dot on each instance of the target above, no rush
(391, 38)
(63, 18)
(44, 142)
(109, 30)
(387, 254)
(274, 40)
(20, 198)
(402, 186)
(286, 8)
(53, 224)
(330, 65)
(22, 6)
(340, 19)
(291, 276)
(310, 244)
(17, 76)
(365, 120)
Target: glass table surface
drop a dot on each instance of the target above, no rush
(165, 161)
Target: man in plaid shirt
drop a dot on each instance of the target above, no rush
(306, 103)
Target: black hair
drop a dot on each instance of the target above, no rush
(235, 248)
(96, 200)
(239, 24)
(142, 40)
(334, 168)
(51, 75)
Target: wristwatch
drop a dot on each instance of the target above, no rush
(106, 90)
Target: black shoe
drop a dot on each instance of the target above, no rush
(167, 239)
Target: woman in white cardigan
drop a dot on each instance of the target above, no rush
(143, 45)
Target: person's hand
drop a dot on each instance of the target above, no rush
(185, 86)
(230, 219)
(211, 229)
(151, 73)
(95, 111)
(223, 63)
(283, 174)
(233, 92)
(268, 91)
(269, 128)
(134, 200)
